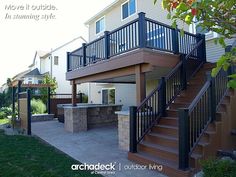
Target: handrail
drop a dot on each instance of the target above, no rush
(199, 95)
(174, 70)
(148, 97)
(197, 45)
(142, 32)
(123, 26)
(194, 120)
(147, 114)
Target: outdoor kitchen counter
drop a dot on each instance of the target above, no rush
(86, 116)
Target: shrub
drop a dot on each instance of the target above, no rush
(219, 168)
(84, 98)
(6, 110)
(37, 106)
(3, 115)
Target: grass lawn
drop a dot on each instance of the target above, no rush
(29, 157)
(3, 121)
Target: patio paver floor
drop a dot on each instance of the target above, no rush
(98, 145)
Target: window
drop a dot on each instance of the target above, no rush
(100, 25)
(108, 96)
(56, 60)
(128, 9)
(29, 78)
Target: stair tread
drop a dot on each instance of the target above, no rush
(169, 137)
(160, 147)
(167, 126)
(196, 156)
(210, 132)
(168, 117)
(158, 160)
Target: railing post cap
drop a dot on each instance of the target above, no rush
(200, 35)
(106, 32)
(133, 107)
(141, 13)
(83, 44)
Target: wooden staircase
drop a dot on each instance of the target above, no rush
(160, 145)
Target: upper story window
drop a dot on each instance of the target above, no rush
(56, 60)
(100, 25)
(128, 9)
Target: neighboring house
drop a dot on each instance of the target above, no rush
(119, 13)
(19, 77)
(33, 77)
(3, 88)
(53, 63)
(213, 51)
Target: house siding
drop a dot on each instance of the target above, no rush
(113, 17)
(214, 51)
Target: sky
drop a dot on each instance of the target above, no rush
(20, 38)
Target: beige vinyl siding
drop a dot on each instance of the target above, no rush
(113, 16)
(213, 51)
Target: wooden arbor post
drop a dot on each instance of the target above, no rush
(74, 90)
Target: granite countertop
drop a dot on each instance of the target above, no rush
(84, 105)
(125, 113)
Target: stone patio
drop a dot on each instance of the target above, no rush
(98, 145)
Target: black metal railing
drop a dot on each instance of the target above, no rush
(178, 78)
(154, 106)
(194, 120)
(139, 33)
(124, 38)
(143, 118)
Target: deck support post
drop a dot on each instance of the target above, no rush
(140, 85)
(74, 90)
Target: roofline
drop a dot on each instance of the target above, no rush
(49, 53)
(109, 7)
(14, 77)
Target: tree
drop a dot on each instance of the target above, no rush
(52, 82)
(213, 15)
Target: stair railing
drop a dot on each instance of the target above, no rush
(178, 78)
(194, 120)
(147, 114)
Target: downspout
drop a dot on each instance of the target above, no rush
(51, 64)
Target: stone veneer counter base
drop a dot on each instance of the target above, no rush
(83, 117)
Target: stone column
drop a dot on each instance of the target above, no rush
(75, 119)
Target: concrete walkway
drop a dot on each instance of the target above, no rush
(98, 145)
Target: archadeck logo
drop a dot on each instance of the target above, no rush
(96, 168)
